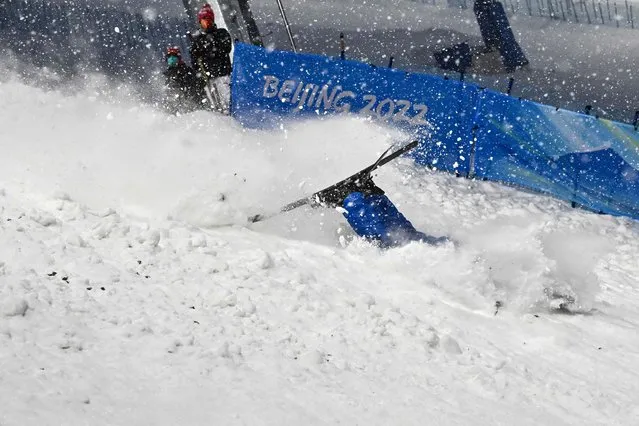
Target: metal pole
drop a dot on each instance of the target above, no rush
(251, 26)
(473, 148)
(190, 12)
(587, 13)
(511, 81)
(574, 11)
(288, 27)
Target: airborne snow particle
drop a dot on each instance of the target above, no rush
(150, 14)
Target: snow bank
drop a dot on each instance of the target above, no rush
(123, 301)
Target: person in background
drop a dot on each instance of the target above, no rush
(185, 91)
(211, 57)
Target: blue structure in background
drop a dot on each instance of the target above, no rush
(463, 129)
(603, 181)
(576, 157)
(497, 33)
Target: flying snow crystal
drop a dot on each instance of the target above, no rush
(150, 14)
(117, 30)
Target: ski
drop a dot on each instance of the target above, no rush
(353, 180)
(210, 89)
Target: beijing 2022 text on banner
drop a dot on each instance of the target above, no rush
(270, 85)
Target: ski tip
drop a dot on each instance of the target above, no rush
(398, 149)
(410, 145)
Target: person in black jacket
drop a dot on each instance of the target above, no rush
(185, 92)
(210, 55)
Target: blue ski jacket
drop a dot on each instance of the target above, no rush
(375, 218)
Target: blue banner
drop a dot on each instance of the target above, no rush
(268, 86)
(463, 129)
(581, 158)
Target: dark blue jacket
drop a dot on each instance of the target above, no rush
(375, 218)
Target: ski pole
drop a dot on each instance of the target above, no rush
(213, 99)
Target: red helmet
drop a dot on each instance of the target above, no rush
(206, 13)
(173, 51)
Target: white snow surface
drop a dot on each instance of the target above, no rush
(132, 294)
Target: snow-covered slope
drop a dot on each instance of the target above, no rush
(122, 300)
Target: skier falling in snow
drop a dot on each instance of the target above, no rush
(370, 213)
(374, 217)
(210, 55)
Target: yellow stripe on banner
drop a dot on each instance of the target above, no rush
(619, 133)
